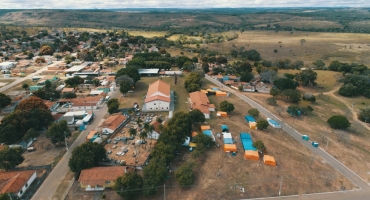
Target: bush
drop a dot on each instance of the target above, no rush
(339, 122)
(262, 124)
(254, 112)
(271, 101)
(309, 97)
(69, 95)
(185, 174)
(364, 115)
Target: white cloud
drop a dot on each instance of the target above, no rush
(73, 4)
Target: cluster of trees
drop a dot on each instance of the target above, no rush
(354, 85)
(173, 135)
(10, 157)
(31, 114)
(57, 132)
(5, 100)
(193, 82)
(251, 54)
(348, 68)
(129, 71)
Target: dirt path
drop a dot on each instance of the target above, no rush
(353, 112)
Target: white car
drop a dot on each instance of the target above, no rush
(130, 91)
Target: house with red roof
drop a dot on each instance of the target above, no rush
(16, 182)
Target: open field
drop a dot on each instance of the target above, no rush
(325, 79)
(148, 34)
(19, 86)
(299, 169)
(141, 89)
(352, 149)
(345, 47)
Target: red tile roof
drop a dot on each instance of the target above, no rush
(159, 86)
(199, 100)
(13, 181)
(99, 175)
(49, 104)
(113, 121)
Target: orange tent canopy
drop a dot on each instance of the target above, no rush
(221, 114)
(205, 127)
(193, 134)
(269, 160)
(251, 155)
(230, 148)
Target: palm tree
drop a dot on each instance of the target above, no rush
(143, 136)
(132, 132)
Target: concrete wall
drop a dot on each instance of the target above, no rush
(157, 105)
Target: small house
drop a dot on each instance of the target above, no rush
(16, 182)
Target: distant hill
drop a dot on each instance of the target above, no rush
(218, 19)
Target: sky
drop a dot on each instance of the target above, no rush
(104, 4)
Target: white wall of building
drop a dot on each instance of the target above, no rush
(206, 115)
(157, 105)
(27, 185)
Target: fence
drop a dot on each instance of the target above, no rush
(37, 182)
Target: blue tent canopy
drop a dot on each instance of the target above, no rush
(244, 135)
(224, 128)
(250, 118)
(207, 132)
(228, 141)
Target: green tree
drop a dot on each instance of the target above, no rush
(30, 55)
(69, 95)
(10, 158)
(234, 53)
(30, 134)
(262, 124)
(25, 86)
(246, 76)
(339, 122)
(154, 174)
(113, 107)
(130, 71)
(124, 87)
(319, 64)
(285, 83)
(254, 112)
(129, 185)
(132, 132)
(188, 65)
(292, 95)
(364, 115)
(57, 132)
(185, 174)
(74, 81)
(4, 100)
(294, 110)
(193, 88)
(259, 145)
(306, 77)
(226, 106)
(197, 116)
(65, 47)
(126, 78)
(348, 90)
(86, 156)
(271, 101)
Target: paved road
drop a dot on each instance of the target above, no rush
(51, 183)
(295, 134)
(21, 79)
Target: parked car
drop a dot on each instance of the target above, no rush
(130, 91)
(114, 146)
(109, 152)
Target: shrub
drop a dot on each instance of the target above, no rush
(339, 122)
(254, 112)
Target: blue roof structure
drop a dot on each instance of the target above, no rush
(225, 78)
(224, 128)
(228, 141)
(207, 132)
(244, 135)
(250, 118)
(216, 89)
(273, 123)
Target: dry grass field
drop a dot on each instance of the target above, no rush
(325, 79)
(148, 34)
(353, 150)
(299, 169)
(345, 47)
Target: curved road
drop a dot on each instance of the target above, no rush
(363, 193)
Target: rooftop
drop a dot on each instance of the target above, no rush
(200, 101)
(159, 86)
(113, 121)
(99, 175)
(13, 181)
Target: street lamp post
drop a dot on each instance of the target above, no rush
(65, 140)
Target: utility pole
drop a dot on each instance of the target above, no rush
(164, 191)
(281, 183)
